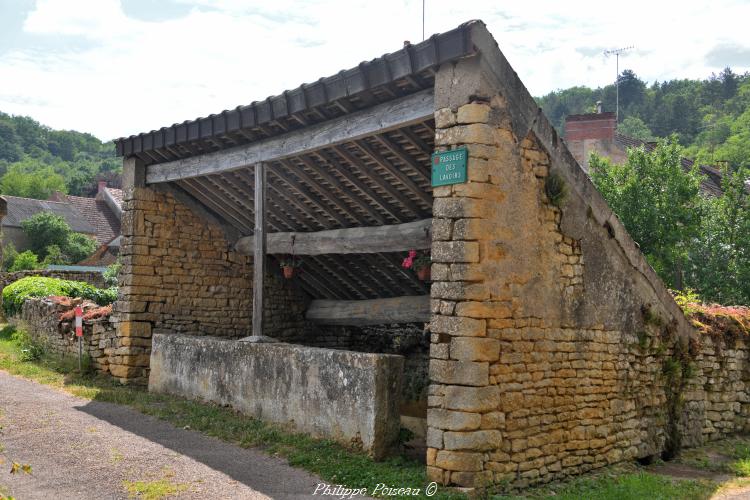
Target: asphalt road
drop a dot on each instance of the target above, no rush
(81, 449)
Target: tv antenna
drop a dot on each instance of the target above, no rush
(616, 53)
(423, 8)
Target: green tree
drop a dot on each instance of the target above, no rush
(31, 181)
(77, 247)
(719, 264)
(657, 201)
(51, 238)
(9, 255)
(634, 127)
(9, 148)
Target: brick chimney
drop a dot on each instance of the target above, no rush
(590, 132)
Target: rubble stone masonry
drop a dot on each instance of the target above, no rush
(181, 276)
(555, 349)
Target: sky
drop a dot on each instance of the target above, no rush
(119, 67)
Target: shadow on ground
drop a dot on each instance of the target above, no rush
(248, 466)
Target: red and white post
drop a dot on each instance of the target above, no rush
(79, 334)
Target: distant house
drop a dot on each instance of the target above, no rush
(597, 132)
(97, 217)
(103, 212)
(21, 209)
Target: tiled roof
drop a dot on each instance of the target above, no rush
(20, 209)
(399, 73)
(711, 175)
(99, 215)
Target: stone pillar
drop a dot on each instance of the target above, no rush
(129, 355)
(464, 424)
(3, 213)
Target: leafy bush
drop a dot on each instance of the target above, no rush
(17, 292)
(9, 255)
(52, 239)
(112, 272)
(45, 229)
(25, 261)
(78, 246)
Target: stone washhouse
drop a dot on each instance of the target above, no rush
(522, 361)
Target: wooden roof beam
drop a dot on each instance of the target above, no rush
(408, 309)
(376, 120)
(355, 240)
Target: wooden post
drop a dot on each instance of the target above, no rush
(259, 254)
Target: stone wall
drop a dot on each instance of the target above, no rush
(408, 340)
(347, 396)
(717, 396)
(40, 317)
(180, 275)
(541, 302)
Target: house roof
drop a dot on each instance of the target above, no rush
(20, 209)
(382, 79)
(99, 215)
(711, 183)
(378, 178)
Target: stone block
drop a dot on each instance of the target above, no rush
(458, 326)
(453, 420)
(444, 117)
(459, 461)
(493, 420)
(474, 440)
(457, 208)
(134, 329)
(471, 399)
(474, 113)
(475, 349)
(459, 372)
(434, 438)
(124, 372)
(441, 229)
(459, 291)
(475, 133)
(440, 351)
(493, 310)
(455, 251)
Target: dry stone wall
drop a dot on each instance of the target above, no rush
(92, 278)
(180, 275)
(555, 349)
(40, 317)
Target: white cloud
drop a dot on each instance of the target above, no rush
(130, 75)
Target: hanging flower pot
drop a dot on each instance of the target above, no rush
(289, 266)
(420, 262)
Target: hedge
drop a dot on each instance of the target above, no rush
(17, 292)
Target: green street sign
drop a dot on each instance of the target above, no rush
(449, 167)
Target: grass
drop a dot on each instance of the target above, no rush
(333, 462)
(730, 455)
(622, 483)
(153, 490)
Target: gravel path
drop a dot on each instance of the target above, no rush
(81, 449)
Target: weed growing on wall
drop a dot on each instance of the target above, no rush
(556, 189)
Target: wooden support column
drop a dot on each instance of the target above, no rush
(259, 253)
